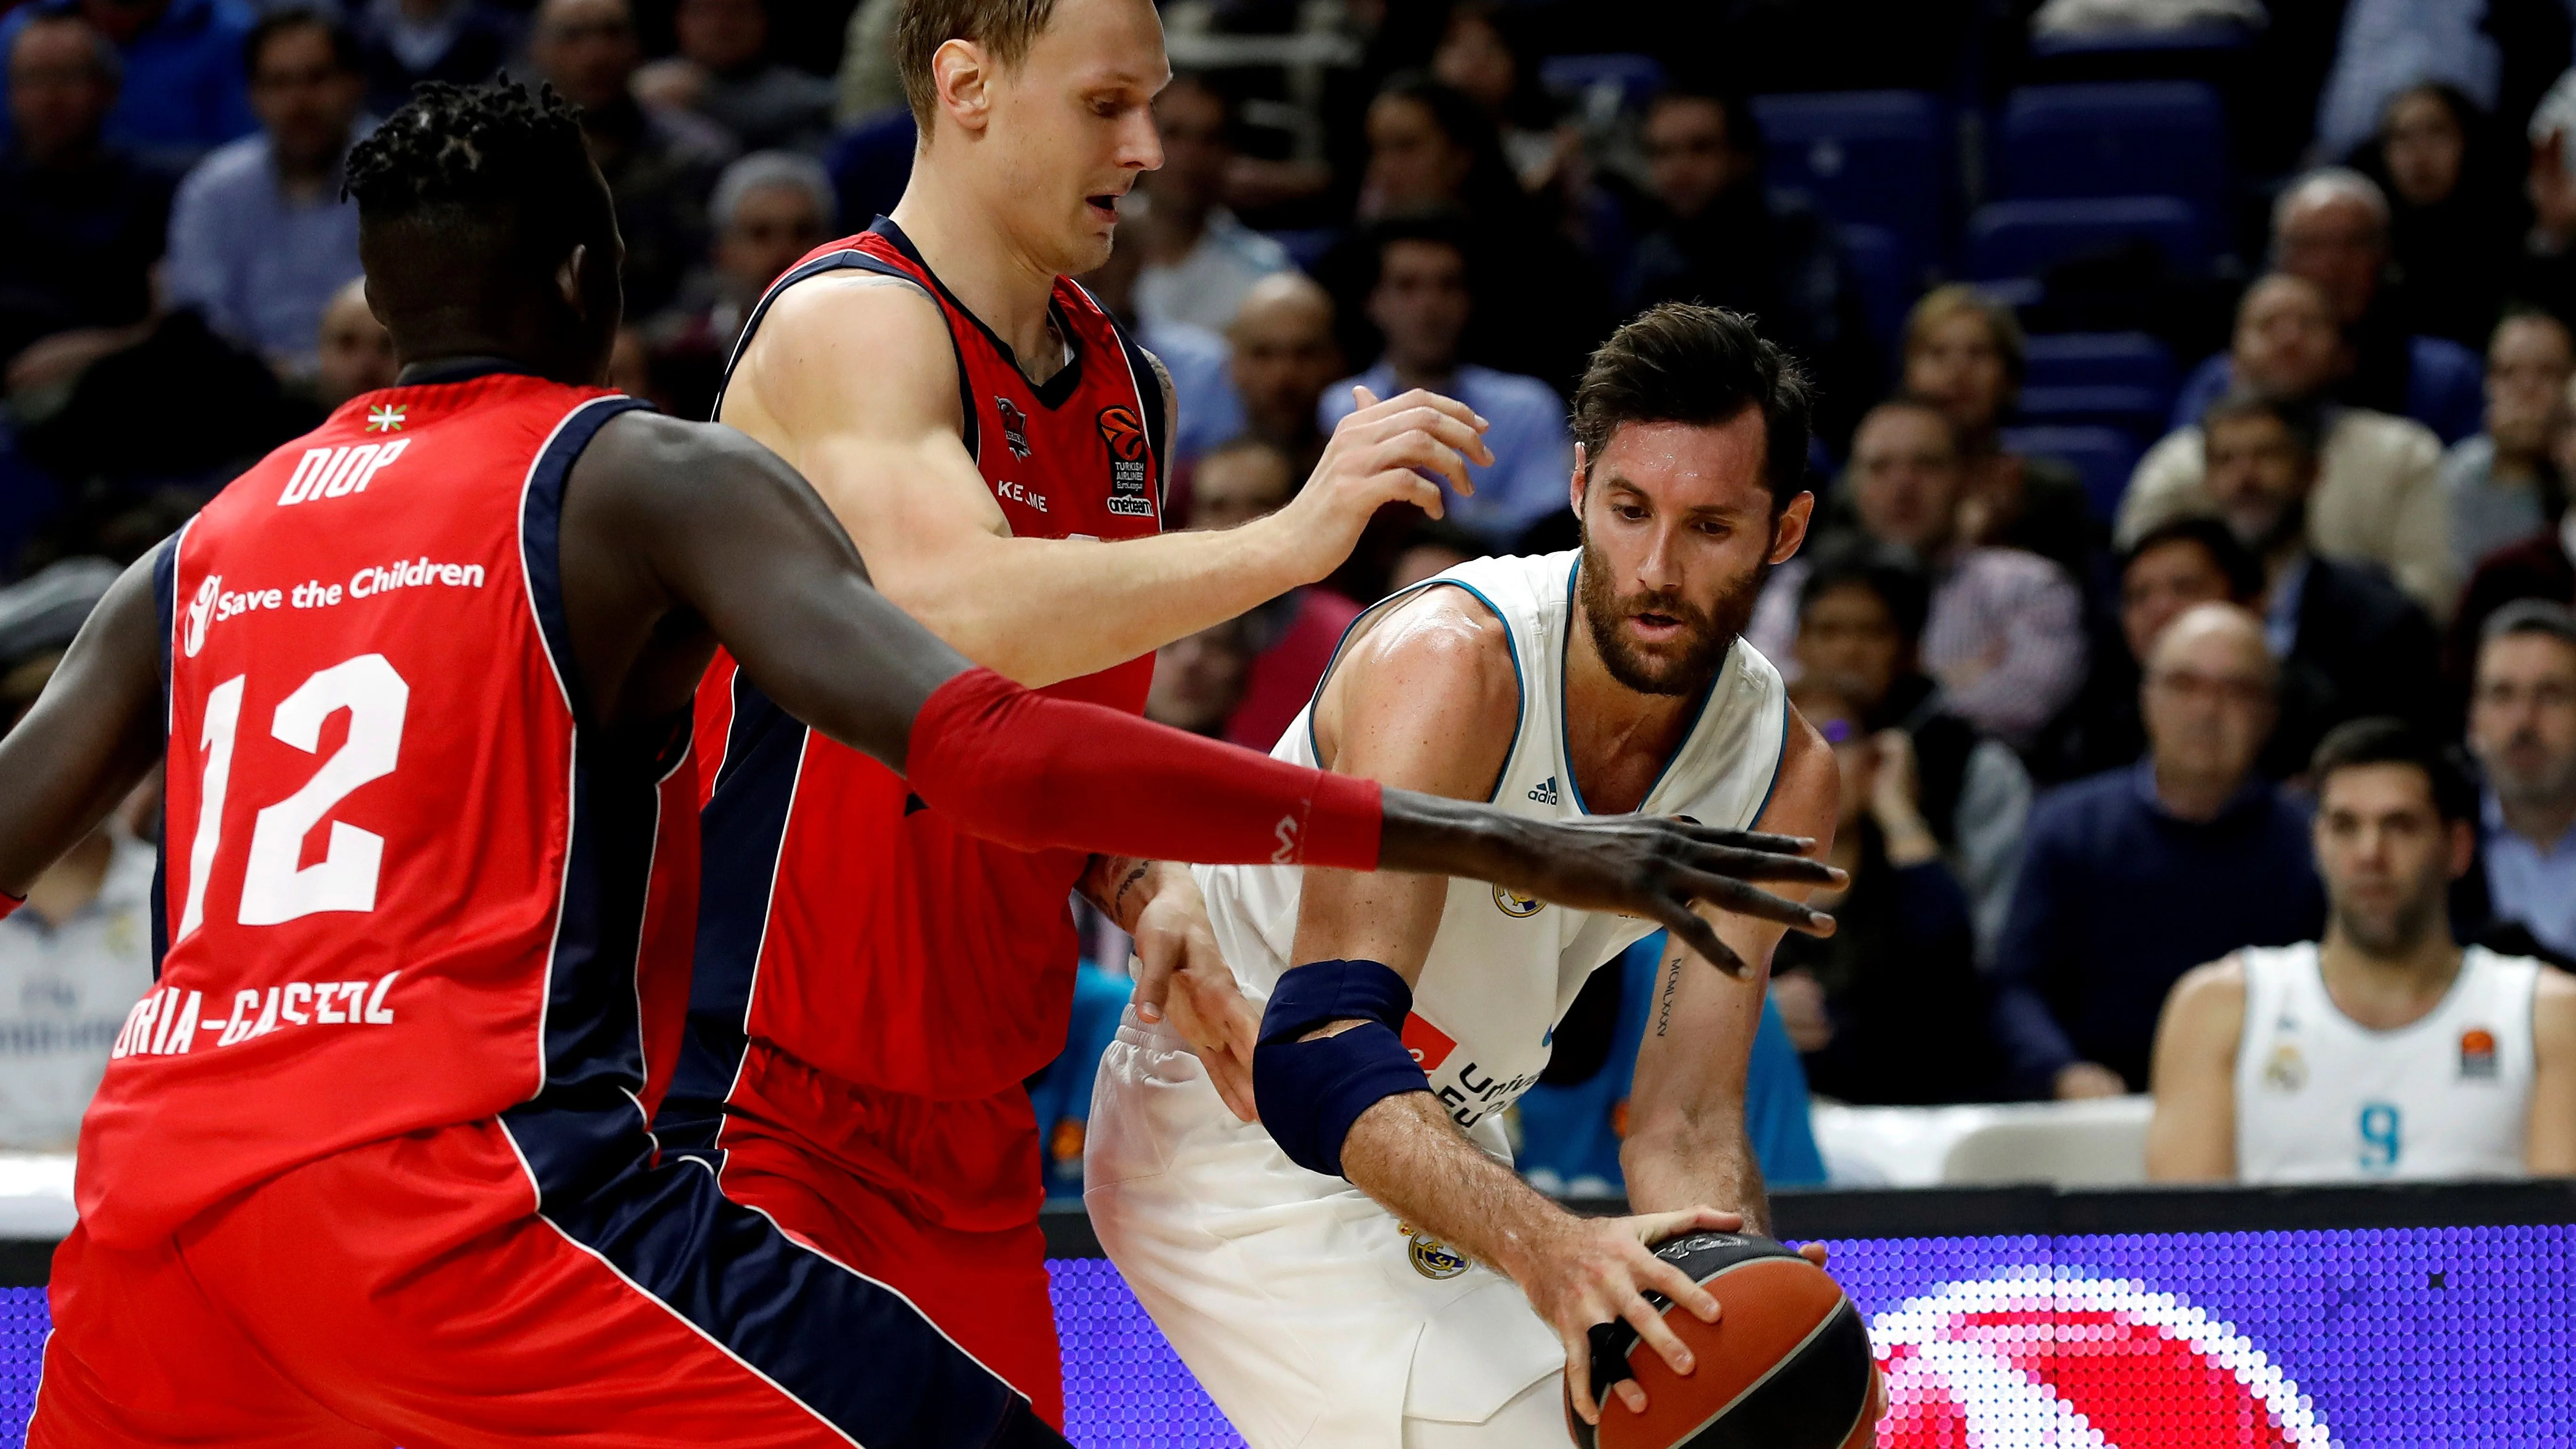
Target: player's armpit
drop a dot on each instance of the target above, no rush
(2550, 1149)
(2192, 1137)
(91, 735)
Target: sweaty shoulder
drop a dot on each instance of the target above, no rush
(2210, 999)
(846, 349)
(1437, 666)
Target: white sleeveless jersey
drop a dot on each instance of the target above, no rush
(2320, 1098)
(1504, 968)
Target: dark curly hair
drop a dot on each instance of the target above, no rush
(498, 155)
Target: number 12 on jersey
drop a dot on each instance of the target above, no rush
(276, 887)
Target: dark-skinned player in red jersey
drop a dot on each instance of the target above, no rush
(369, 1165)
(875, 981)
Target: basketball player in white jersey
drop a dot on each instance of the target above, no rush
(1368, 1270)
(2385, 1051)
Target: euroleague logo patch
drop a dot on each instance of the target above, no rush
(1125, 435)
(2026, 1358)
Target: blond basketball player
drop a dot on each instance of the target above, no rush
(873, 984)
(1363, 1267)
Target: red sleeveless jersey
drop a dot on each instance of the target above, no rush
(403, 886)
(841, 923)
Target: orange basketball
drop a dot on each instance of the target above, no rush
(1786, 1365)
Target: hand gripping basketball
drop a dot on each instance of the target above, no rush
(1785, 1363)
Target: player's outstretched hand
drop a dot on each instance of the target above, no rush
(1635, 865)
(1385, 452)
(1591, 1271)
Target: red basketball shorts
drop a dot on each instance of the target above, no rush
(936, 1199)
(408, 1292)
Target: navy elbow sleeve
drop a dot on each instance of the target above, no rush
(1310, 1092)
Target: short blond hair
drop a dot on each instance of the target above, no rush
(1005, 28)
(1958, 299)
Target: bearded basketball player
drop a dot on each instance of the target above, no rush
(369, 1165)
(1369, 1270)
(874, 983)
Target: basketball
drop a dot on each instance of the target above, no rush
(1786, 1365)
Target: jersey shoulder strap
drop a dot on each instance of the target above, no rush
(1149, 393)
(853, 254)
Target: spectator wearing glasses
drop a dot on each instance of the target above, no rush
(260, 236)
(2331, 226)
(2134, 876)
(2186, 562)
(2004, 634)
(2378, 486)
(2504, 484)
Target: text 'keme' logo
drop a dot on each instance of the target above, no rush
(2026, 1360)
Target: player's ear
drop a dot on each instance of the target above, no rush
(1575, 488)
(568, 277)
(960, 72)
(1789, 530)
(2464, 848)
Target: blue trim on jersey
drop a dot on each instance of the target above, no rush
(851, 258)
(1564, 725)
(165, 605)
(744, 828)
(1779, 757)
(1520, 685)
(855, 1352)
(541, 530)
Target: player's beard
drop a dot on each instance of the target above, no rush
(2401, 930)
(1706, 634)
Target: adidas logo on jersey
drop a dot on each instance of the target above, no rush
(1544, 792)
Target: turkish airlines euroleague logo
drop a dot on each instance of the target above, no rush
(1125, 435)
(2028, 1359)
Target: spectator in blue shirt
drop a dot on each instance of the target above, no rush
(1422, 304)
(2331, 227)
(260, 236)
(2132, 877)
(1573, 1122)
(2522, 728)
(405, 42)
(183, 88)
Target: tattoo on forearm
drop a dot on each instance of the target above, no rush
(1118, 898)
(1664, 1007)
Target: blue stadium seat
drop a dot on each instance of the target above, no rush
(1884, 267)
(1636, 76)
(2139, 411)
(2105, 456)
(2026, 238)
(2180, 45)
(1880, 158)
(1306, 245)
(2100, 359)
(2127, 138)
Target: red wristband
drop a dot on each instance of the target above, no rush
(1034, 772)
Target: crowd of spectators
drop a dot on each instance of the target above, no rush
(2074, 699)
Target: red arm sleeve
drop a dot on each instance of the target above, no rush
(10, 903)
(1018, 767)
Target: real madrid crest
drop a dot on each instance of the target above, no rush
(1431, 1258)
(2286, 1070)
(1511, 904)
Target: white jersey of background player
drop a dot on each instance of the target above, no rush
(2385, 1051)
(1433, 1297)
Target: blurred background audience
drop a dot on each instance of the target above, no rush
(2176, 403)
